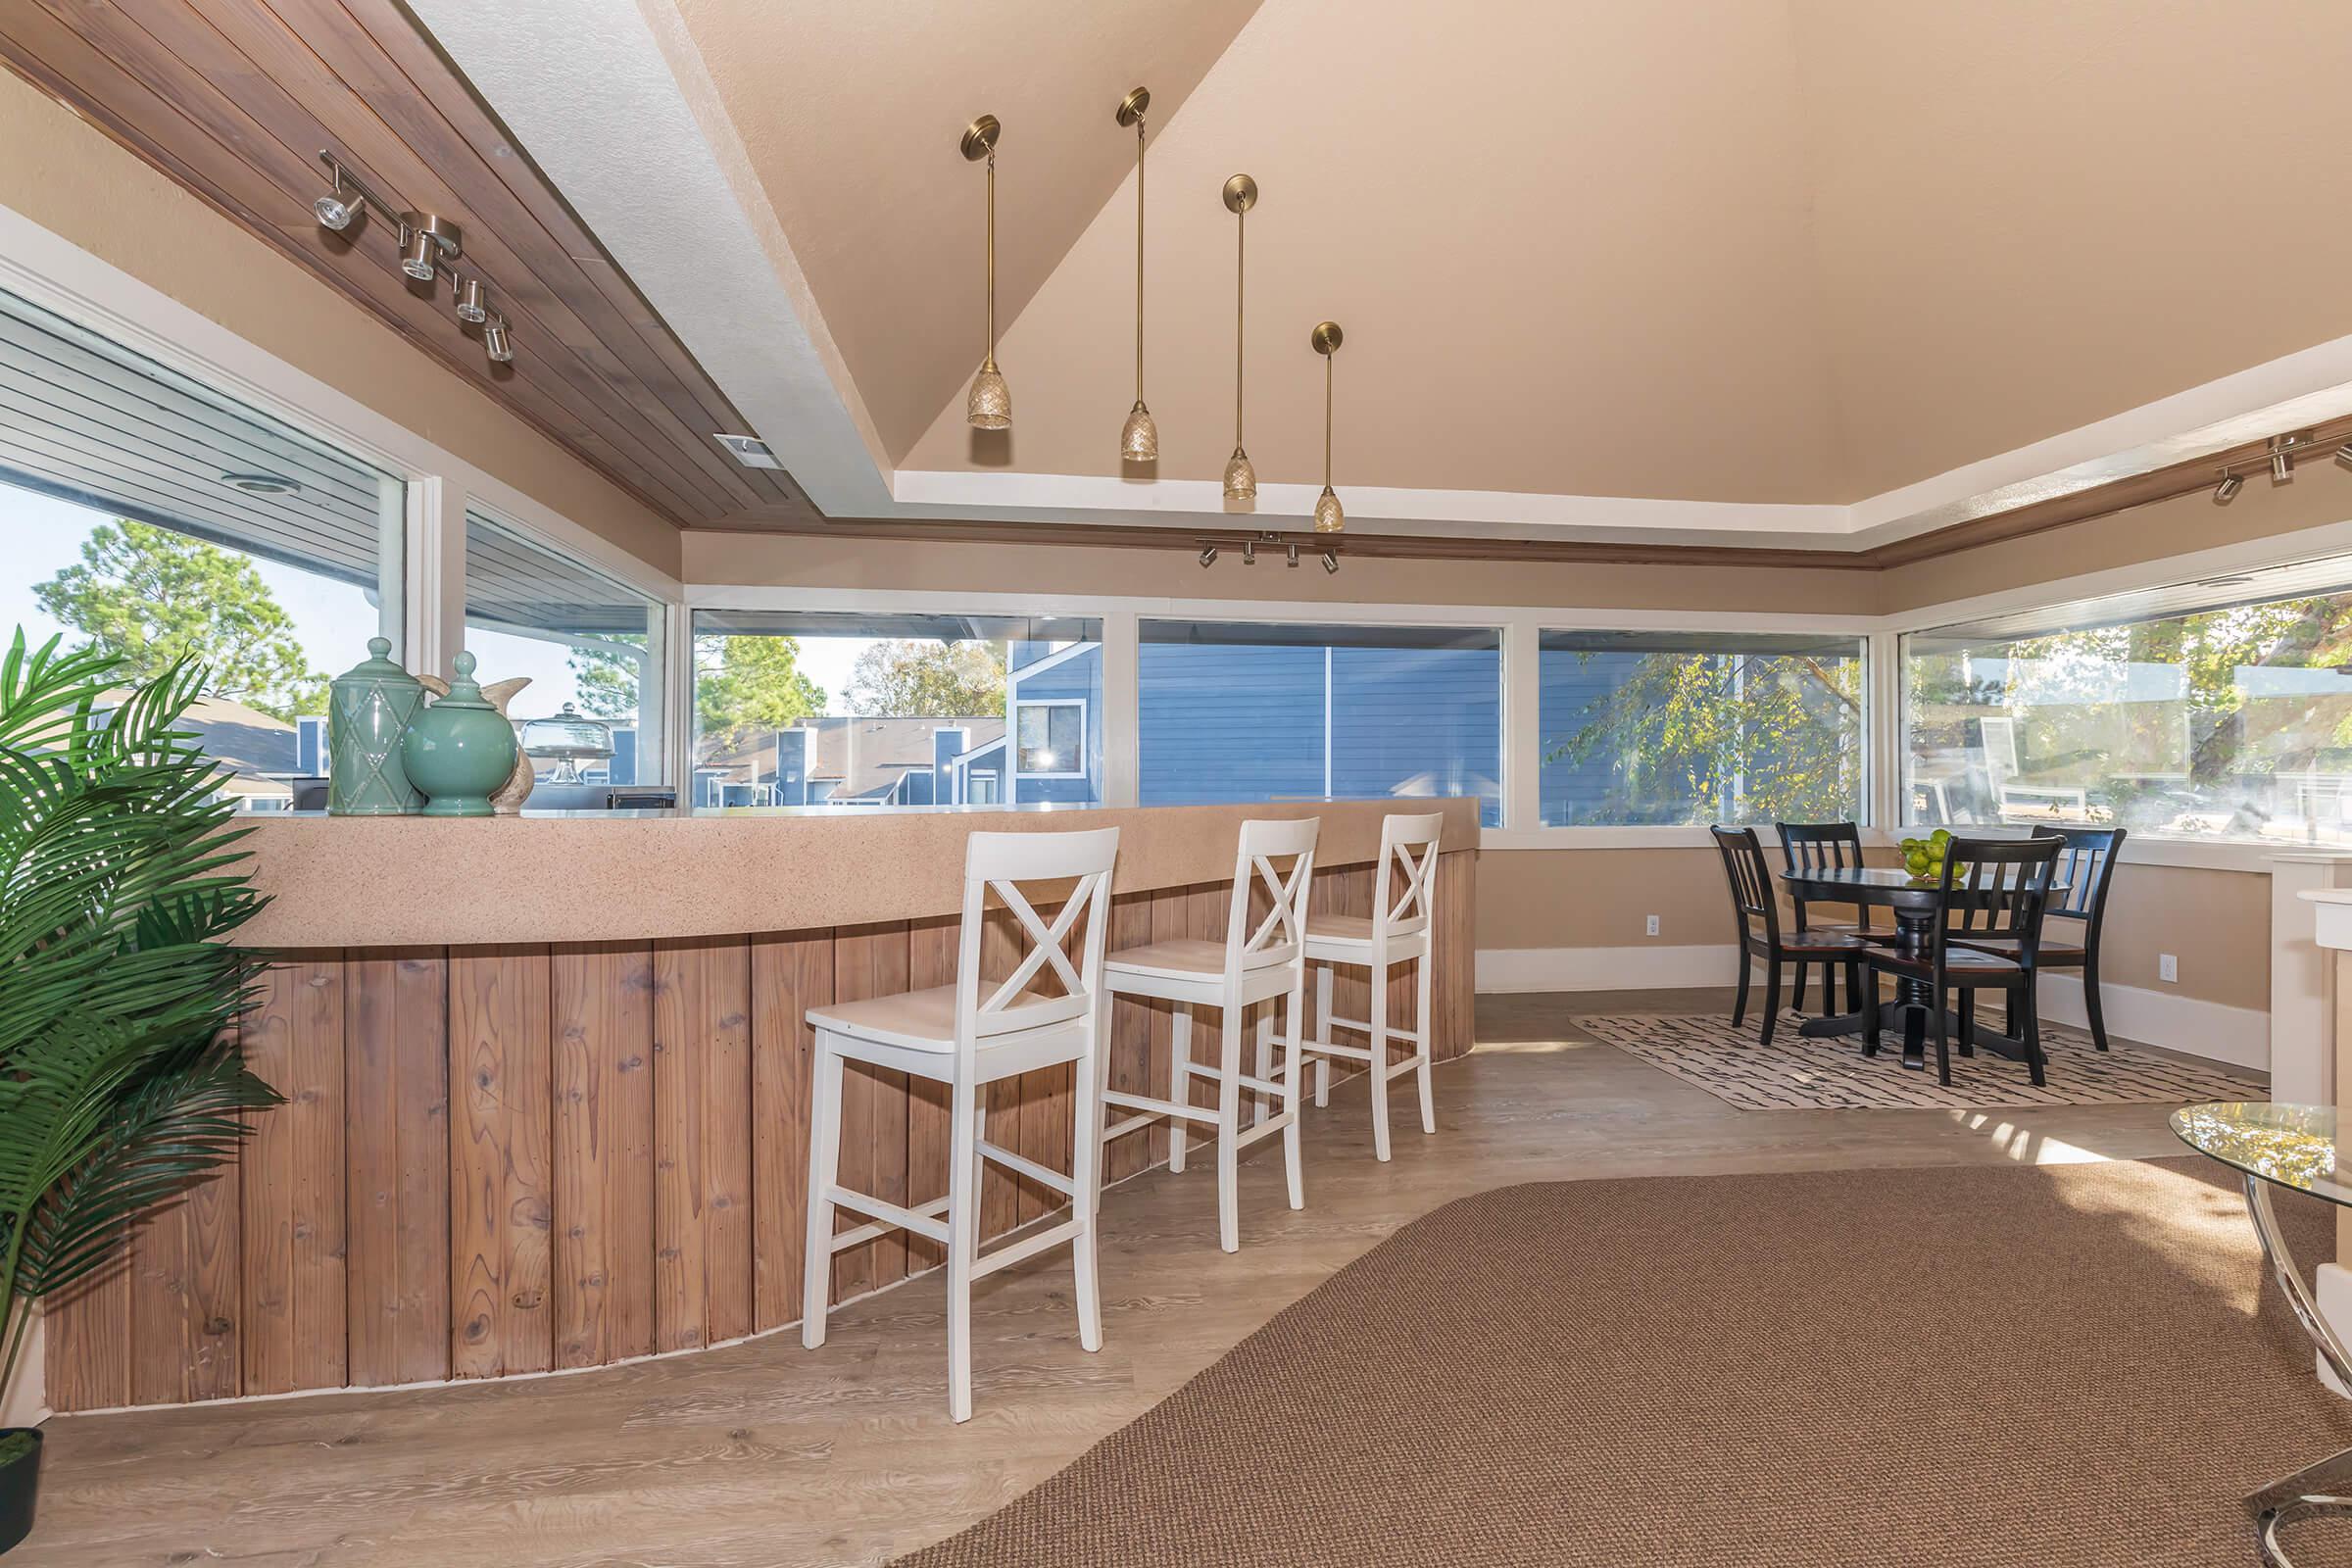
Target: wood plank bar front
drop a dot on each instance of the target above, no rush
(508, 1158)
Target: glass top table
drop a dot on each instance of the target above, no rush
(2293, 1147)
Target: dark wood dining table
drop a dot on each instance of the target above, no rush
(1916, 905)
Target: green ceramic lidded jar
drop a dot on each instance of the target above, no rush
(459, 748)
(369, 710)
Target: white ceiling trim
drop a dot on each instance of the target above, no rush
(613, 101)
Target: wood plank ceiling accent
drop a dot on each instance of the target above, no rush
(234, 99)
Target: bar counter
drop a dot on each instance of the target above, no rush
(547, 1082)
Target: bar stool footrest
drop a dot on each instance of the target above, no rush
(1029, 1167)
(1012, 1252)
(888, 1217)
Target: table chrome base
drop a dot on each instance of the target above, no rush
(2310, 1492)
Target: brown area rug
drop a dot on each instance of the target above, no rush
(2072, 1366)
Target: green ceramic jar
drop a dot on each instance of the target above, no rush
(369, 710)
(459, 748)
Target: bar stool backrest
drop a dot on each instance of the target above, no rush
(1002, 864)
(1281, 937)
(1403, 891)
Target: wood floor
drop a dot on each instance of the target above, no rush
(763, 1453)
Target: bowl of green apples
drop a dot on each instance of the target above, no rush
(1924, 858)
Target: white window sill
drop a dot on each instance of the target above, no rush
(2251, 855)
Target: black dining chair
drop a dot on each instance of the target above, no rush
(1825, 847)
(1758, 912)
(1995, 891)
(2086, 865)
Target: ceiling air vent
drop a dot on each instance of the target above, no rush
(749, 450)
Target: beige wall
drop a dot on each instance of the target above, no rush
(817, 561)
(2217, 923)
(71, 178)
(2320, 493)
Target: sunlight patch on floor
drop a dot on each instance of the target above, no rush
(2023, 1143)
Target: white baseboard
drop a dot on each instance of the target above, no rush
(2239, 1037)
(1642, 968)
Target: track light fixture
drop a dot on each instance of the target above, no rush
(1295, 551)
(2226, 491)
(1139, 440)
(427, 243)
(429, 248)
(2343, 454)
(989, 405)
(2283, 458)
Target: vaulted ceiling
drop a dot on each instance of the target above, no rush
(1811, 273)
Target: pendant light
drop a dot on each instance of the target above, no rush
(1241, 194)
(1139, 442)
(1329, 518)
(990, 404)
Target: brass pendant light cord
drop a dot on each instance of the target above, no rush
(1139, 258)
(1327, 358)
(1241, 282)
(991, 357)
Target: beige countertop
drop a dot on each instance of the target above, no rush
(397, 881)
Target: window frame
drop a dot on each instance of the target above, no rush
(1022, 705)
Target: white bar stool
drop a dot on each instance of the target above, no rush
(1398, 932)
(954, 1034)
(1249, 966)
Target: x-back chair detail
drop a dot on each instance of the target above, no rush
(1049, 1010)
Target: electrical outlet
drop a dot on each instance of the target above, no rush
(1653, 925)
(2168, 967)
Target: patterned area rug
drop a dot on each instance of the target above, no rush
(1795, 1073)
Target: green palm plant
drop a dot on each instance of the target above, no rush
(121, 1084)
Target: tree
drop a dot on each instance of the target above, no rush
(928, 679)
(151, 598)
(745, 687)
(609, 677)
(1734, 737)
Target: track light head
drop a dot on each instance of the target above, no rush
(2343, 454)
(1292, 553)
(1249, 552)
(469, 305)
(2226, 491)
(1330, 562)
(496, 343)
(337, 213)
(427, 243)
(1208, 556)
(2282, 466)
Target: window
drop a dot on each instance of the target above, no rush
(1049, 739)
(587, 643)
(146, 514)
(2193, 720)
(1237, 712)
(1672, 728)
(793, 707)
